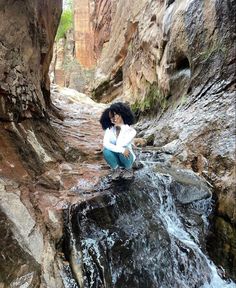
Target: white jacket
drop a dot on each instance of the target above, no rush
(124, 139)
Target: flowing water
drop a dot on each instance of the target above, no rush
(137, 234)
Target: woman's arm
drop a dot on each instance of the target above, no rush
(126, 135)
(107, 144)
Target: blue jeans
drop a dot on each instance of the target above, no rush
(115, 160)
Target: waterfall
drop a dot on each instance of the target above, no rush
(137, 234)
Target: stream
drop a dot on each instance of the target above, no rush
(143, 233)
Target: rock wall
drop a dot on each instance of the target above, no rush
(101, 20)
(75, 55)
(65, 68)
(175, 61)
(26, 51)
(28, 144)
(83, 31)
(163, 42)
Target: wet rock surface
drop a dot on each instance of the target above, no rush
(18, 267)
(39, 197)
(200, 136)
(34, 200)
(44, 168)
(136, 233)
(175, 61)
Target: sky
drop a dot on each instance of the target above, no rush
(66, 3)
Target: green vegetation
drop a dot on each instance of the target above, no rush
(66, 23)
(153, 102)
(150, 139)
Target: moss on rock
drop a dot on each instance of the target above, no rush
(154, 101)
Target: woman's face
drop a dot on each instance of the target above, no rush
(116, 119)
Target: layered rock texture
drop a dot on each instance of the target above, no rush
(43, 169)
(175, 61)
(27, 34)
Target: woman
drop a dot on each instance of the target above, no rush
(117, 142)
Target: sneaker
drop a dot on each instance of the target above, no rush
(128, 174)
(115, 175)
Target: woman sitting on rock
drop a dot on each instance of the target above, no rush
(117, 142)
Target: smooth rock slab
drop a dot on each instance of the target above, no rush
(187, 186)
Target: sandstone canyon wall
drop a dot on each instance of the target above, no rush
(175, 61)
(83, 31)
(28, 143)
(75, 54)
(66, 70)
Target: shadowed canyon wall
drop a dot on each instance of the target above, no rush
(26, 52)
(27, 35)
(28, 143)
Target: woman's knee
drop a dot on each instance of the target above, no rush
(126, 162)
(107, 152)
(111, 158)
(109, 155)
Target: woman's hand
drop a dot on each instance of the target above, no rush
(126, 153)
(140, 142)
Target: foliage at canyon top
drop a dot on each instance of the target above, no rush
(66, 21)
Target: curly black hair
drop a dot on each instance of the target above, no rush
(119, 108)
